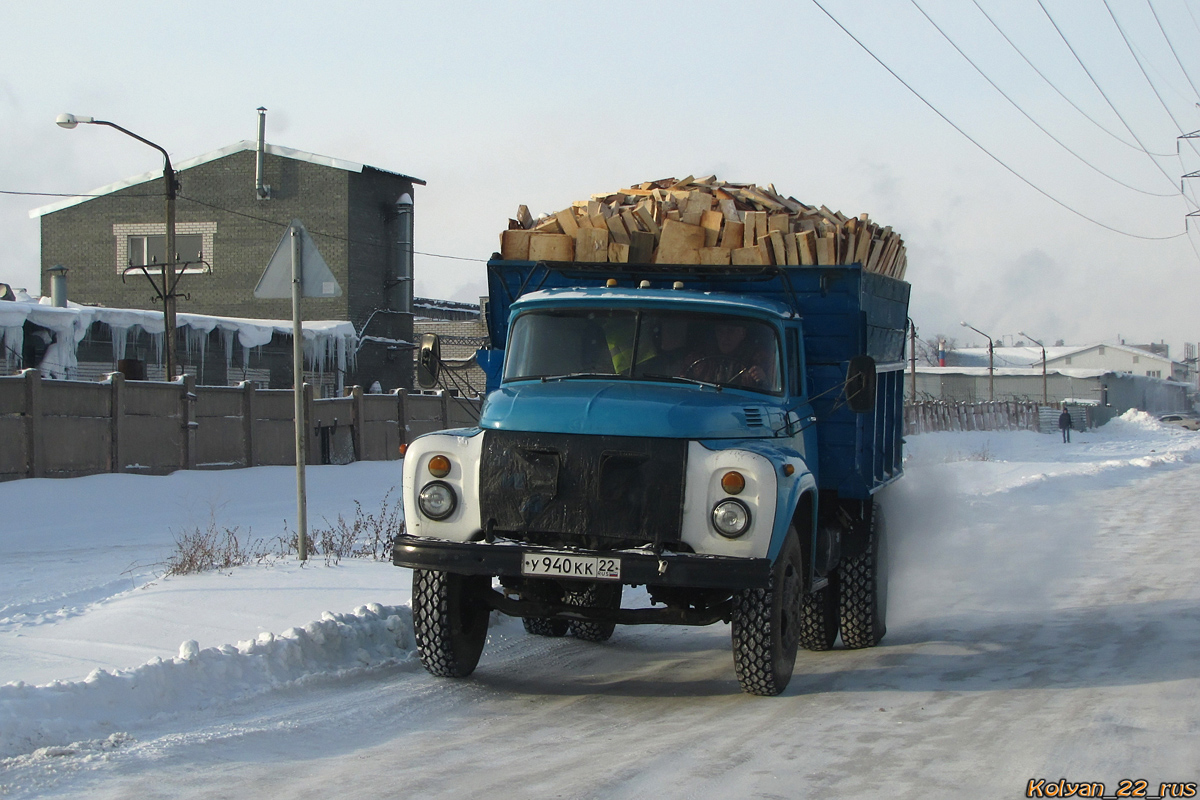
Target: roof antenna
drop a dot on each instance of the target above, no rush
(262, 191)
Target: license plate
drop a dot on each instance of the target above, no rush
(561, 565)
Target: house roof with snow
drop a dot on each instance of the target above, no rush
(238, 147)
(1006, 356)
(1032, 356)
(333, 339)
(1120, 348)
(1069, 372)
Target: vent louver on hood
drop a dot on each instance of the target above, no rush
(754, 417)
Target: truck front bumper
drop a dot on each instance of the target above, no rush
(637, 568)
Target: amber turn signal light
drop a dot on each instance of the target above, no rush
(439, 466)
(733, 482)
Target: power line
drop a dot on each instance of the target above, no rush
(1146, 75)
(1062, 94)
(989, 153)
(1039, 126)
(1171, 45)
(1103, 94)
(338, 237)
(1193, 16)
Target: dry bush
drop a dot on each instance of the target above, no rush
(366, 535)
(212, 548)
(216, 547)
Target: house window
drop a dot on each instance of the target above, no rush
(146, 251)
(1154, 373)
(1101, 350)
(1068, 361)
(1136, 359)
(145, 245)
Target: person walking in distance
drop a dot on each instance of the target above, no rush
(1064, 424)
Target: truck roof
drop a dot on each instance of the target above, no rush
(626, 297)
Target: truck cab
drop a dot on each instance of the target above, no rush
(666, 432)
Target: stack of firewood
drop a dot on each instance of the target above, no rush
(702, 221)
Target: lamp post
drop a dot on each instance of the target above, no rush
(169, 278)
(991, 361)
(1045, 394)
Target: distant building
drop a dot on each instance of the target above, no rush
(227, 234)
(1147, 360)
(1124, 358)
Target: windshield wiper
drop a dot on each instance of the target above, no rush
(681, 379)
(577, 375)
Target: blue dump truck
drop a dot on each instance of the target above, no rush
(715, 434)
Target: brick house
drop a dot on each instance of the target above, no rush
(227, 233)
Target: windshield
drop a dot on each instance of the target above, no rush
(649, 344)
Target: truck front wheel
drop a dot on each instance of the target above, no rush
(450, 621)
(766, 625)
(594, 595)
(863, 589)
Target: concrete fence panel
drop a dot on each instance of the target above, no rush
(424, 413)
(70, 428)
(273, 429)
(153, 429)
(220, 427)
(76, 428)
(333, 422)
(380, 427)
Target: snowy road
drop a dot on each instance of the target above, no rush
(1045, 623)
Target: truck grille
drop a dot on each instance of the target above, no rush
(589, 491)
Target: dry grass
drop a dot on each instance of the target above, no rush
(366, 535)
(214, 548)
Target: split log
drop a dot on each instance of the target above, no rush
(551, 247)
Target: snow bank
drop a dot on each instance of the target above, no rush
(39, 720)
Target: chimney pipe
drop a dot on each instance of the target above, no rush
(58, 286)
(261, 191)
(402, 293)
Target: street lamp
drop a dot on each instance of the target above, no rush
(991, 361)
(1045, 395)
(169, 278)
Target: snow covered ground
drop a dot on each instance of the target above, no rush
(1044, 622)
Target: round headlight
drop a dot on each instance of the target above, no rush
(437, 500)
(731, 518)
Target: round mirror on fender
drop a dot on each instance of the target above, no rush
(429, 361)
(860, 384)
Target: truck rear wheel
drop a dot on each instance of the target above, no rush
(546, 591)
(766, 625)
(819, 617)
(594, 595)
(450, 621)
(863, 589)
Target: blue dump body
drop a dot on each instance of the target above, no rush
(845, 311)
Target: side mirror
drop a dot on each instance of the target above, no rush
(429, 361)
(860, 384)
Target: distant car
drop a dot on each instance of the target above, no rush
(1182, 420)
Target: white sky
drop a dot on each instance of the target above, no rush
(497, 104)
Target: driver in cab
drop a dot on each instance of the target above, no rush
(734, 359)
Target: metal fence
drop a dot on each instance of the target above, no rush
(933, 416)
(63, 429)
